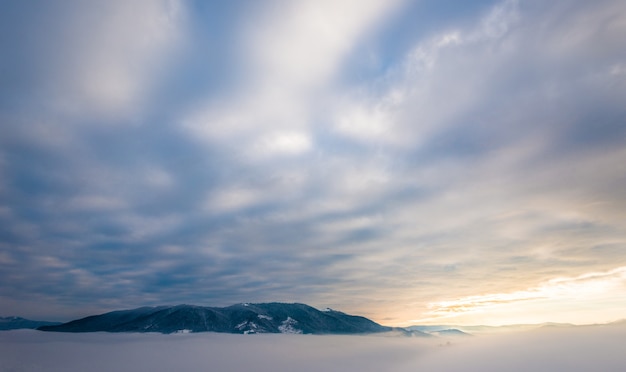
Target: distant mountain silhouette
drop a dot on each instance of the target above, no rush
(450, 332)
(240, 318)
(14, 322)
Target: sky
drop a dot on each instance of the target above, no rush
(415, 162)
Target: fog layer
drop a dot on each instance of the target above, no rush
(573, 349)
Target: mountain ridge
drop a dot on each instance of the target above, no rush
(245, 318)
(16, 322)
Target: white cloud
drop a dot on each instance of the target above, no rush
(304, 44)
(106, 56)
(158, 178)
(499, 20)
(441, 79)
(292, 56)
(370, 121)
(282, 143)
(233, 199)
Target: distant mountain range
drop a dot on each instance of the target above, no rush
(241, 318)
(14, 322)
(249, 318)
(459, 330)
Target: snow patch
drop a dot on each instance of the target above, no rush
(287, 326)
(184, 331)
(247, 327)
(261, 316)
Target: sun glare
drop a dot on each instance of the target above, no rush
(551, 299)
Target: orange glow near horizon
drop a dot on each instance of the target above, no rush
(578, 300)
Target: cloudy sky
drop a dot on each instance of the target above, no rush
(411, 161)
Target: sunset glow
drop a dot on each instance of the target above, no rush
(565, 295)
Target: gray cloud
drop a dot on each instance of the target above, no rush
(184, 158)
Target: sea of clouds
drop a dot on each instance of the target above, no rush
(592, 348)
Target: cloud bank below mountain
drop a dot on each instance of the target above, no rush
(572, 349)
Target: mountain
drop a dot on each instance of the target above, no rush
(480, 329)
(438, 330)
(450, 332)
(240, 318)
(428, 328)
(14, 322)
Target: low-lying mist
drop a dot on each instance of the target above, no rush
(599, 348)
